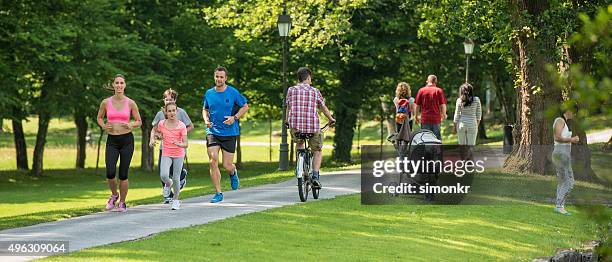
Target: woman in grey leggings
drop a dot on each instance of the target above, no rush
(174, 133)
(561, 157)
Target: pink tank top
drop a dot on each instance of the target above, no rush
(114, 116)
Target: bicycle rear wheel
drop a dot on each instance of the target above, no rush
(302, 178)
(303, 194)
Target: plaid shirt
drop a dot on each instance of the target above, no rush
(303, 101)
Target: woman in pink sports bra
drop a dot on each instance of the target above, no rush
(120, 141)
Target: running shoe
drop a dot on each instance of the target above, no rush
(562, 211)
(176, 204)
(166, 191)
(121, 207)
(167, 200)
(217, 198)
(111, 202)
(234, 180)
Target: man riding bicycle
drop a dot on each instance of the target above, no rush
(303, 102)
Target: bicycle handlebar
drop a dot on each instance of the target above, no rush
(329, 124)
(325, 127)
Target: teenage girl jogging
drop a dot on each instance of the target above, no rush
(120, 140)
(174, 142)
(170, 96)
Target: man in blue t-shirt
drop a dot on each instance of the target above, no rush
(222, 128)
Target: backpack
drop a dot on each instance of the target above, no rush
(403, 110)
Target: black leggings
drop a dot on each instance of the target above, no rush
(119, 146)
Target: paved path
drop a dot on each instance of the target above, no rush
(141, 221)
(599, 136)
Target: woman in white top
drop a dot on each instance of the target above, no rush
(561, 157)
(468, 113)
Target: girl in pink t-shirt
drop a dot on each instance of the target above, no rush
(174, 142)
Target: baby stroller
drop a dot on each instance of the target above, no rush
(421, 145)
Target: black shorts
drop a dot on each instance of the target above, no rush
(227, 143)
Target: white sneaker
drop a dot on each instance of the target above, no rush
(166, 191)
(176, 204)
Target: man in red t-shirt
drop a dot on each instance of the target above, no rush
(431, 103)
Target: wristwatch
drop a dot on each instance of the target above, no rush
(236, 117)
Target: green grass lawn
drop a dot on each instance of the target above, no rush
(344, 230)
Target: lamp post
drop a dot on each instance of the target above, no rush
(468, 47)
(284, 25)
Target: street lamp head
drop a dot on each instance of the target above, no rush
(468, 46)
(284, 23)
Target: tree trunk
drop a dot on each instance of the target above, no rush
(482, 129)
(343, 139)
(41, 139)
(386, 112)
(81, 123)
(538, 93)
(482, 94)
(291, 150)
(20, 145)
(99, 145)
(347, 102)
(270, 140)
(505, 95)
(146, 160)
(581, 154)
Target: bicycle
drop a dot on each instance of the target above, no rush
(303, 165)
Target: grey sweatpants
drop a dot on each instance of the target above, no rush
(561, 158)
(164, 172)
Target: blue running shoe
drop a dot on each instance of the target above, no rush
(234, 180)
(217, 198)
